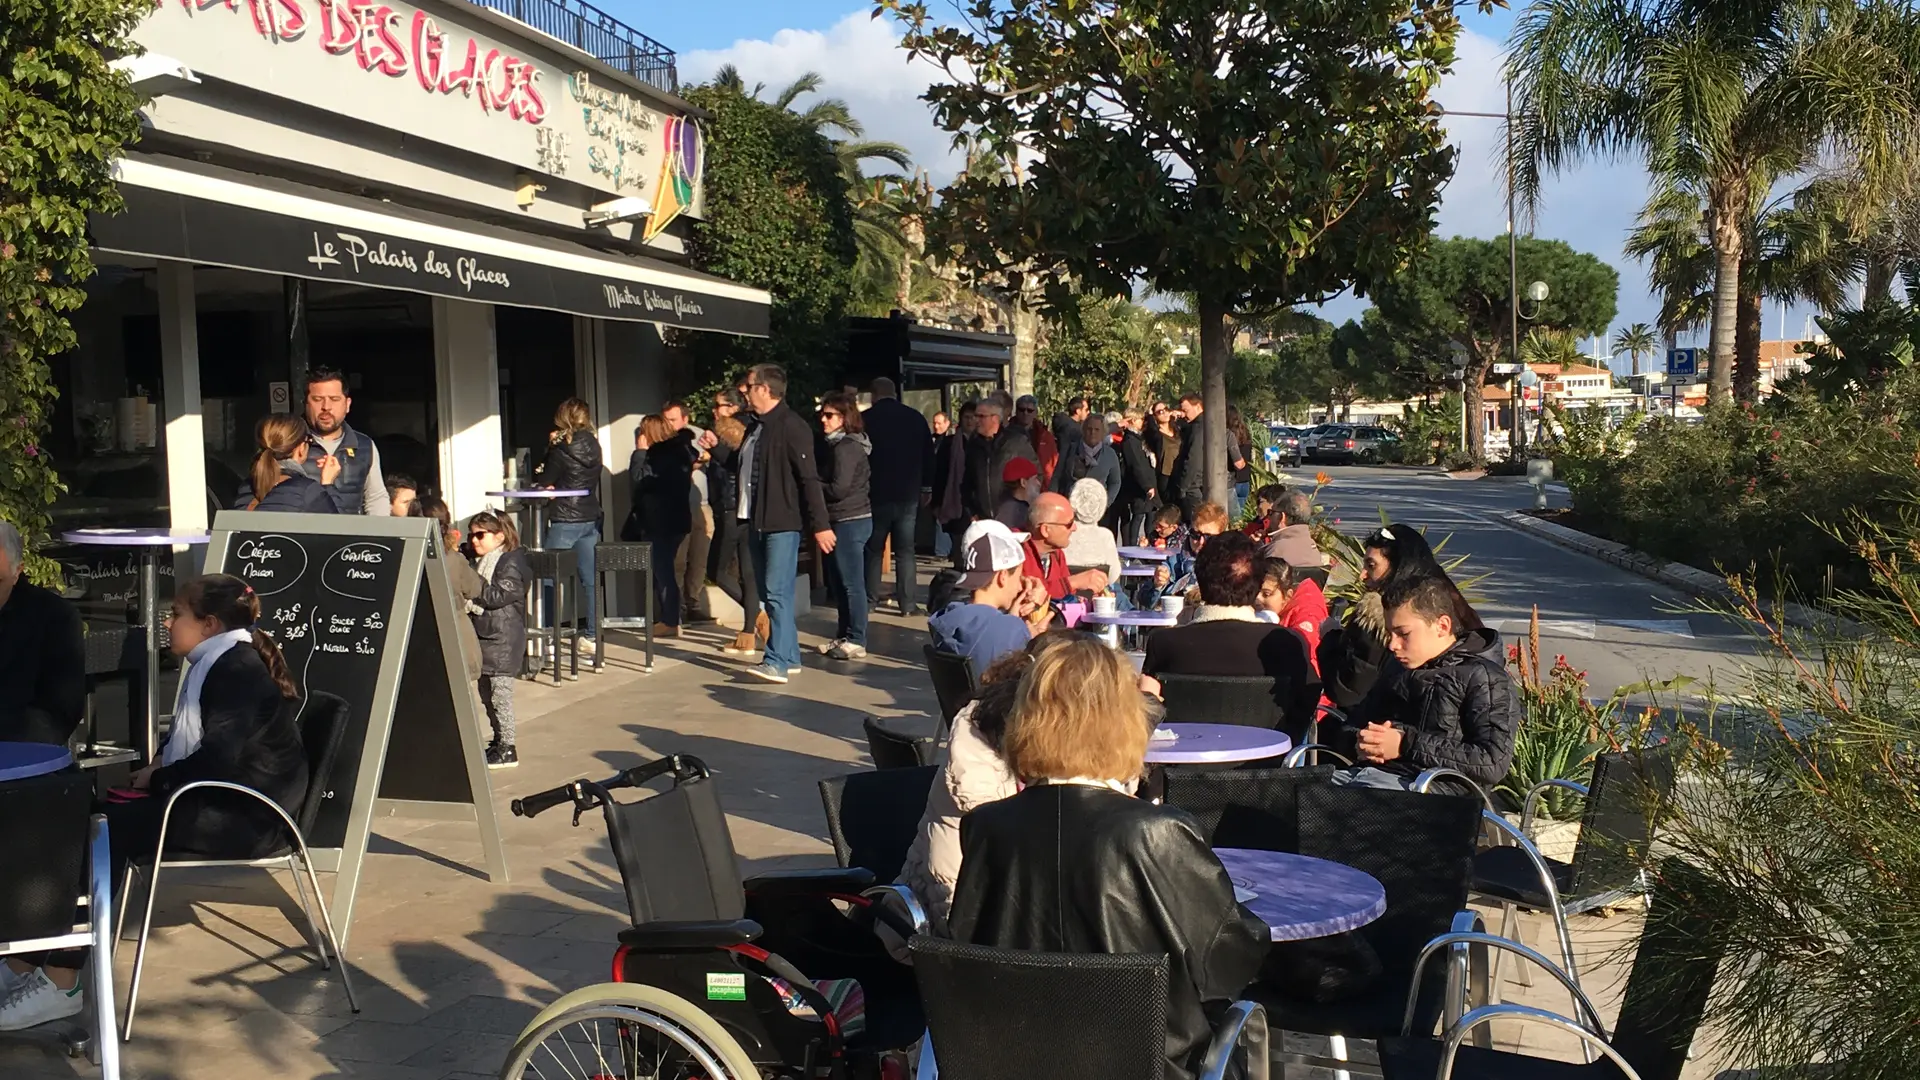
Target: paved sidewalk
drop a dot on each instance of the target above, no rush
(449, 966)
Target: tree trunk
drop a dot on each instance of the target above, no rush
(1216, 350)
(1881, 272)
(1026, 343)
(1473, 389)
(913, 230)
(1746, 349)
(1729, 209)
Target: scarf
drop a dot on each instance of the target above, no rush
(486, 566)
(184, 738)
(1224, 613)
(1091, 452)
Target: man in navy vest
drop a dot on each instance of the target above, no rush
(361, 487)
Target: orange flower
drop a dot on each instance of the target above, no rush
(1322, 479)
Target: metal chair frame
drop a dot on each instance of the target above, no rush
(611, 558)
(1457, 1035)
(294, 860)
(561, 567)
(101, 1047)
(1298, 755)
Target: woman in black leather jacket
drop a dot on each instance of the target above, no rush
(573, 464)
(662, 472)
(1074, 863)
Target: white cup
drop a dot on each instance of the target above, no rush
(1105, 605)
(1173, 605)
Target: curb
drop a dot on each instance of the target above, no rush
(1688, 579)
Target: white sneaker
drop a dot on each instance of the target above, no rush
(37, 1001)
(847, 650)
(826, 648)
(10, 979)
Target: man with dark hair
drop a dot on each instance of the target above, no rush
(1226, 638)
(1068, 422)
(1449, 705)
(902, 463)
(402, 491)
(780, 494)
(1197, 454)
(360, 488)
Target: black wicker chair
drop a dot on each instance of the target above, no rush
(1666, 996)
(1246, 701)
(954, 682)
(894, 747)
(873, 817)
(561, 567)
(610, 560)
(1245, 808)
(1004, 1014)
(1420, 848)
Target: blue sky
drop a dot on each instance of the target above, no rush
(773, 41)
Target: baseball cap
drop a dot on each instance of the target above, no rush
(987, 548)
(1018, 469)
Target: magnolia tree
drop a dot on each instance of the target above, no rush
(1255, 154)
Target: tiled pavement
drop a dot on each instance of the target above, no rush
(450, 966)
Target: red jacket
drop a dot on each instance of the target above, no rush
(1046, 449)
(1304, 613)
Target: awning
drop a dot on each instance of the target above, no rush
(203, 214)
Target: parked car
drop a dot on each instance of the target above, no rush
(1310, 440)
(1350, 443)
(1286, 441)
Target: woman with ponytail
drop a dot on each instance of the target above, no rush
(234, 720)
(275, 482)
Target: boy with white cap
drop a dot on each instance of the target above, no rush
(1003, 609)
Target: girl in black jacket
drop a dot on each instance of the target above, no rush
(846, 479)
(235, 721)
(500, 621)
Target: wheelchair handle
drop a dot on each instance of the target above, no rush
(585, 794)
(546, 800)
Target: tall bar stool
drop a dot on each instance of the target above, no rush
(561, 567)
(610, 560)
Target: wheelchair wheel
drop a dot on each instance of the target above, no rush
(626, 1031)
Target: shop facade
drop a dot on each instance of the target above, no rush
(471, 219)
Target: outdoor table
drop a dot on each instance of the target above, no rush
(1145, 554)
(1130, 621)
(1301, 897)
(150, 542)
(1137, 571)
(535, 501)
(1217, 744)
(20, 760)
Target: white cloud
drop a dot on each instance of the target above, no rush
(859, 60)
(1591, 207)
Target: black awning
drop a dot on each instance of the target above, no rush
(222, 218)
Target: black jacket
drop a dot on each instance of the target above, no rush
(502, 627)
(1458, 711)
(43, 666)
(662, 476)
(1190, 472)
(846, 477)
(981, 495)
(1233, 647)
(1354, 654)
(1137, 475)
(1077, 869)
(297, 494)
(573, 464)
(249, 736)
(786, 483)
(723, 483)
(902, 450)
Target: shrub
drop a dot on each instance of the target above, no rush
(1429, 432)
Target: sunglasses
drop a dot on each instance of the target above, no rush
(826, 414)
(478, 533)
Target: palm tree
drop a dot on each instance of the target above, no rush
(1723, 92)
(1635, 340)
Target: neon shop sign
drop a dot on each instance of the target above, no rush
(398, 44)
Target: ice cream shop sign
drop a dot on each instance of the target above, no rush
(400, 43)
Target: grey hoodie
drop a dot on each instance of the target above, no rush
(847, 476)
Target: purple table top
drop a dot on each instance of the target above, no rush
(19, 760)
(1129, 618)
(542, 493)
(135, 537)
(1136, 571)
(1301, 897)
(1144, 554)
(1217, 744)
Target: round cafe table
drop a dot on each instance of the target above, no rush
(1136, 571)
(1144, 554)
(151, 542)
(1129, 621)
(20, 760)
(1215, 744)
(535, 502)
(1301, 897)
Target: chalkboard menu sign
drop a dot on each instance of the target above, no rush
(362, 608)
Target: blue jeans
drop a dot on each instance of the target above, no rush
(776, 560)
(1369, 777)
(897, 520)
(847, 577)
(1236, 499)
(580, 537)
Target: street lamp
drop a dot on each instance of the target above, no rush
(1538, 293)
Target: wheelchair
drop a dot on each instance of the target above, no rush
(718, 978)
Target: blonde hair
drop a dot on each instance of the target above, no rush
(1078, 714)
(276, 438)
(1210, 513)
(655, 428)
(730, 431)
(571, 416)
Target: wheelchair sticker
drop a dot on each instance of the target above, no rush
(726, 986)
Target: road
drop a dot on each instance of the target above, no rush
(1619, 627)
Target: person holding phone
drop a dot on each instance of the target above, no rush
(234, 720)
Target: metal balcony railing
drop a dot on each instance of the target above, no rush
(597, 34)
